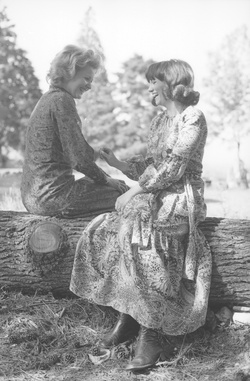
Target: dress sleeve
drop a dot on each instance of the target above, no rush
(136, 166)
(77, 152)
(192, 129)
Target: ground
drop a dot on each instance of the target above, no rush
(48, 339)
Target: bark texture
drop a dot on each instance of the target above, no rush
(36, 254)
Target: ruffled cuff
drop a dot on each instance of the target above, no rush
(136, 166)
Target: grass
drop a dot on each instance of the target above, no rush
(10, 196)
(11, 200)
(43, 338)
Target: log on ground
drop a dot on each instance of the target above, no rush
(37, 253)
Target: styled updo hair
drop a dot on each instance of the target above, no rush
(179, 77)
(68, 61)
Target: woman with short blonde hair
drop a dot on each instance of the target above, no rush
(70, 59)
(55, 146)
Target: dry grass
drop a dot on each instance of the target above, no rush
(11, 200)
(47, 339)
(10, 195)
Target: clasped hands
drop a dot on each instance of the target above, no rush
(108, 155)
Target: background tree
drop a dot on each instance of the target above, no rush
(228, 95)
(96, 107)
(135, 110)
(19, 88)
(115, 114)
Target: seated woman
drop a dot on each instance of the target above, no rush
(149, 260)
(55, 146)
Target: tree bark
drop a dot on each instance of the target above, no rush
(36, 254)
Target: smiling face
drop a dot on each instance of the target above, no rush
(81, 82)
(158, 92)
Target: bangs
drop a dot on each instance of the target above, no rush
(155, 71)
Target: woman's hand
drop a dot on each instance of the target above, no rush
(122, 200)
(119, 185)
(108, 155)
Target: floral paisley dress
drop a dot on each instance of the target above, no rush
(152, 261)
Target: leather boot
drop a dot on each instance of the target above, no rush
(148, 350)
(126, 328)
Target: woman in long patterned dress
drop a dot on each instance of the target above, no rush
(149, 260)
(55, 146)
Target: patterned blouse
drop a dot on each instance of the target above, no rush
(54, 147)
(175, 146)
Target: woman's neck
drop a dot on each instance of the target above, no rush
(175, 108)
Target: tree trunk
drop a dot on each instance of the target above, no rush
(36, 254)
(237, 175)
(242, 170)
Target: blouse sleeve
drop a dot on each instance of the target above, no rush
(76, 150)
(192, 129)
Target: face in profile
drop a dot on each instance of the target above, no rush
(157, 90)
(81, 82)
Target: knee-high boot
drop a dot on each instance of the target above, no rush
(126, 328)
(148, 350)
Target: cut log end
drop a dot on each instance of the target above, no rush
(46, 246)
(46, 238)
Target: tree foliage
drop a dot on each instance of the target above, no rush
(115, 114)
(134, 111)
(229, 86)
(19, 87)
(96, 107)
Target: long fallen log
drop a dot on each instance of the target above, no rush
(36, 254)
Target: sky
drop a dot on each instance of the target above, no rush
(157, 29)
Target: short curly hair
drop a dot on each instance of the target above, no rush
(179, 77)
(68, 61)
